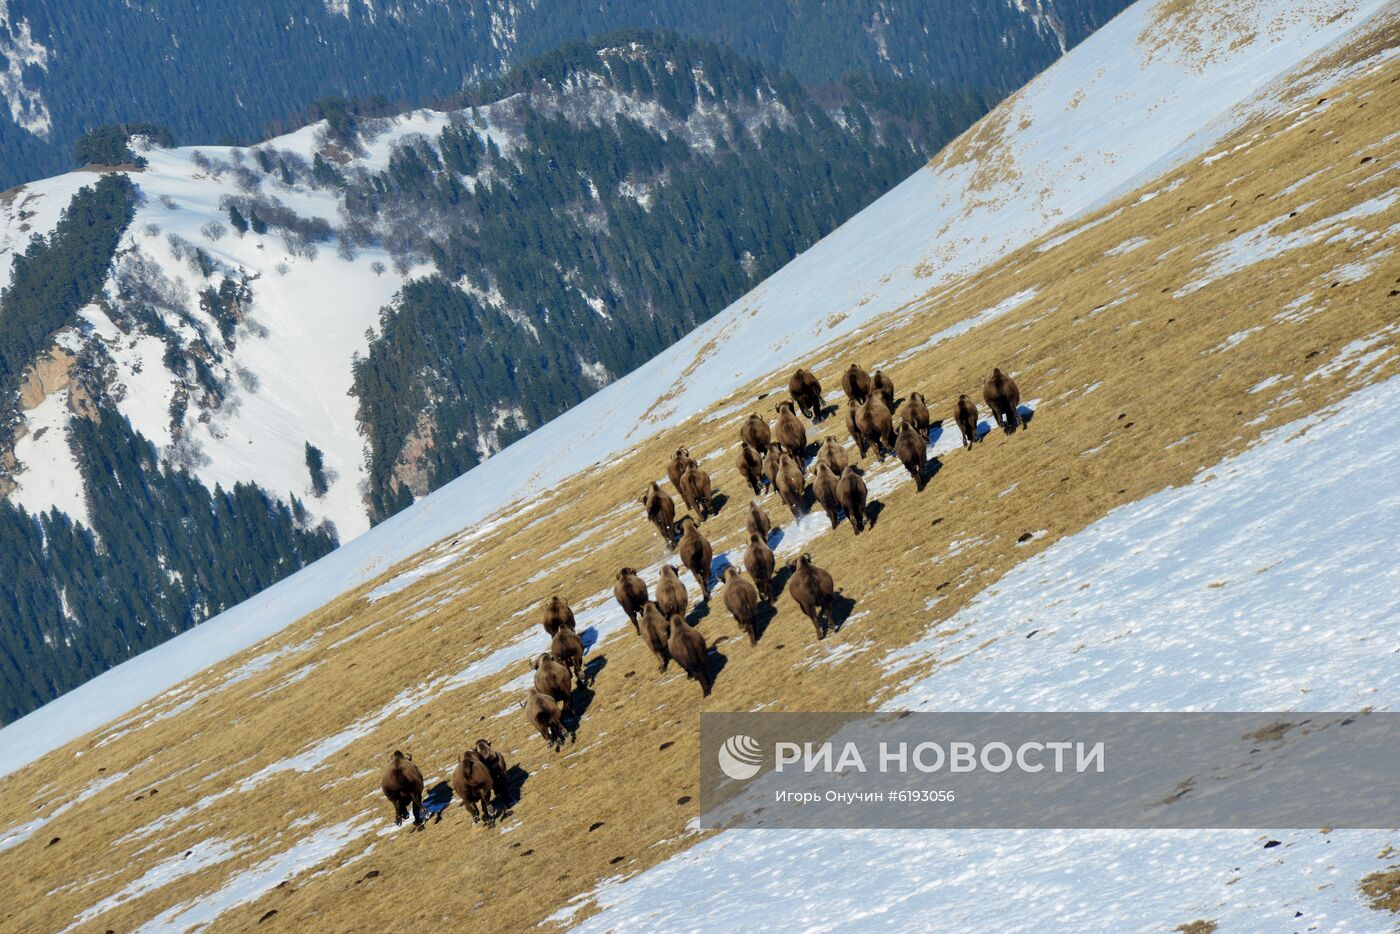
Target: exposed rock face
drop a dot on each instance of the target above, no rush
(50, 373)
(411, 469)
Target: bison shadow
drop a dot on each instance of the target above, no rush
(715, 660)
(582, 698)
(931, 468)
(509, 794)
(781, 574)
(935, 431)
(826, 412)
(589, 637)
(436, 801)
(873, 508)
(699, 612)
(775, 537)
(1027, 413)
(841, 607)
(984, 428)
(717, 502)
(767, 612)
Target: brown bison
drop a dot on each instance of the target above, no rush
(475, 786)
(758, 561)
(543, 714)
(824, 490)
(912, 451)
(965, 414)
(791, 484)
(557, 615)
(655, 631)
(789, 431)
(695, 490)
(402, 784)
(697, 555)
(681, 461)
(631, 593)
(661, 511)
(915, 412)
(568, 649)
(813, 590)
(741, 600)
(851, 493)
(688, 648)
(853, 410)
(750, 467)
(1004, 399)
(882, 386)
(856, 384)
(806, 391)
(552, 678)
(833, 454)
(754, 432)
(757, 520)
(497, 764)
(877, 424)
(771, 462)
(670, 592)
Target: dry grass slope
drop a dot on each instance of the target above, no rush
(1145, 373)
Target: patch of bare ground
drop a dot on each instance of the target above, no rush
(1382, 890)
(230, 753)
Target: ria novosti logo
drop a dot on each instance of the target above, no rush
(741, 757)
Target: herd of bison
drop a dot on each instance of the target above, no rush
(771, 458)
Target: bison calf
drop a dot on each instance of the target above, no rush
(750, 467)
(754, 432)
(789, 431)
(655, 632)
(568, 649)
(965, 414)
(791, 485)
(856, 384)
(833, 454)
(696, 554)
(670, 592)
(806, 391)
(557, 615)
(661, 512)
(824, 490)
(757, 520)
(915, 412)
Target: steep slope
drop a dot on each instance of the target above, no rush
(224, 74)
(344, 318)
(1138, 375)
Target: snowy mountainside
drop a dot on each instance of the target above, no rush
(984, 195)
(316, 331)
(1163, 413)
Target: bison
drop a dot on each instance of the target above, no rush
(696, 554)
(568, 649)
(965, 414)
(475, 786)
(882, 386)
(856, 384)
(791, 484)
(853, 410)
(912, 451)
(402, 784)
(757, 520)
(806, 391)
(543, 714)
(670, 592)
(789, 430)
(631, 593)
(750, 467)
(833, 454)
(813, 590)
(824, 490)
(851, 493)
(915, 412)
(681, 461)
(497, 764)
(695, 490)
(758, 561)
(552, 678)
(877, 424)
(687, 647)
(655, 631)
(1004, 399)
(754, 432)
(741, 599)
(661, 511)
(557, 615)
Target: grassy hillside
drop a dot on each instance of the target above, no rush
(1165, 332)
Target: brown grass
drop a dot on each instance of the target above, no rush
(1097, 319)
(1382, 890)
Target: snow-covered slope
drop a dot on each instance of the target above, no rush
(1143, 93)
